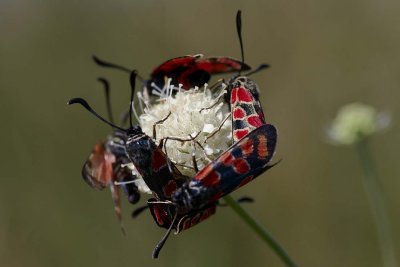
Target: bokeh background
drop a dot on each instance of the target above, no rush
(323, 54)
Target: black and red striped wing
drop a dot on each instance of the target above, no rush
(246, 110)
(162, 216)
(194, 70)
(220, 65)
(241, 163)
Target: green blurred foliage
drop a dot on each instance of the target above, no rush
(323, 54)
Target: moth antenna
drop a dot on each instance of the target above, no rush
(85, 104)
(106, 64)
(160, 244)
(132, 80)
(260, 68)
(103, 63)
(106, 86)
(239, 32)
(139, 210)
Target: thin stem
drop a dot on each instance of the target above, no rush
(260, 231)
(377, 206)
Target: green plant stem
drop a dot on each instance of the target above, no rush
(377, 206)
(260, 231)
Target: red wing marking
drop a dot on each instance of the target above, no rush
(247, 147)
(195, 219)
(241, 166)
(234, 96)
(220, 64)
(239, 133)
(186, 224)
(255, 121)
(245, 96)
(262, 146)
(203, 172)
(169, 188)
(158, 160)
(207, 213)
(238, 113)
(226, 158)
(171, 65)
(211, 179)
(159, 214)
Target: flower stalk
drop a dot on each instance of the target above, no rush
(377, 205)
(260, 231)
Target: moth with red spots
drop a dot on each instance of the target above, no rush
(189, 70)
(246, 110)
(158, 172)
(241, 163)
(193, 70)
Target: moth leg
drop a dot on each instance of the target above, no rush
(218, 129)
(159, 122)
(117, 205)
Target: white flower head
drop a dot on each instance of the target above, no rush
(189, 114)
(355, 121)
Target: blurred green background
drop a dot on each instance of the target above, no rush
(323, 54)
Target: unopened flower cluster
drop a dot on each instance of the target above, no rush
(356, 121)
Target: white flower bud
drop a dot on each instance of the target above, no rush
(356, 121)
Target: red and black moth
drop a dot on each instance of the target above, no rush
(249, 156)
(158, 172)
(193, 70)
(189, 71)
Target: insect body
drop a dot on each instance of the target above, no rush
(194, 70)
(108, 164)
(241, 163)
(158, 172)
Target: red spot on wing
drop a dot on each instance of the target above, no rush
(159, 160)
(160, 215)
(234, 95)
(262, 146)
(169, 188)
(226, 158)
(201, 174)
(211, 179)
(171, 65)
(244, 95)
(207, 213)
(241, 166)
(247, 147)
(238, 113)
(255, 121)
(219, 64)
(240, 133)
(195, 219)
(186, 224)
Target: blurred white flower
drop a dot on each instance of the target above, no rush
(193, 113)
(356, 121)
